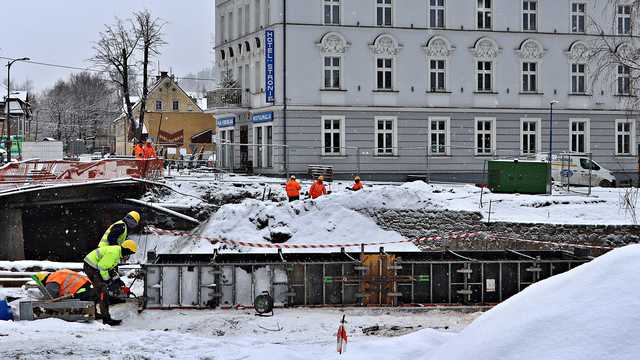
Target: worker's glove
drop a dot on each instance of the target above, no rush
(115, 285)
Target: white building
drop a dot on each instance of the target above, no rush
(398, 87)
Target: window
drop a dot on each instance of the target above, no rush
(383, 12)
(158, 105)
(247, 19)
(485, 73)
(439, 135)
(484, 14)
(176, 105)
(230, 25)
(578, 16)
(578, 78)
(623, 19)
(332, 135)
(223, 34)
(257, 77)
(226, 151)
(332, 72)
(332, 12)
(436, 13)
(239, 25)
(529, 15)
(256, 14)
(529, 77)
(385, 132)
(625, 139)
(586, 164)
(624, 80)
(437, 75)
(258, 137)
(384, 73)
(579, 135)
(267, 12)
(485, 136)
(263, 154)
(530, 136)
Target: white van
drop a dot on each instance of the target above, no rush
(575, 170)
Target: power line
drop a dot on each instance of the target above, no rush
(70, 67)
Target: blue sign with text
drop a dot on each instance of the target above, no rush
(262, 117)
(270, 63)
(226, 122)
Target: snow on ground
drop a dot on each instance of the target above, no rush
(236, 334)
(334, 218)
(590, 312)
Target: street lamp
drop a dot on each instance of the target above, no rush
(551, 103)
(6, 104)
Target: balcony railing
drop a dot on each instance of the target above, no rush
(229, 97)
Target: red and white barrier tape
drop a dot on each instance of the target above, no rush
(420, 240)
(214, 240)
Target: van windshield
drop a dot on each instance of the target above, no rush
(586, 163)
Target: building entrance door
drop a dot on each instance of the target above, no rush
(244, 149)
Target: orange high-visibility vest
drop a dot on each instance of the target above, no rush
(293, 188)
(69, 281)
(138, 151)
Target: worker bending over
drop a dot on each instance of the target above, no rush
(100, 265)
(67, 283)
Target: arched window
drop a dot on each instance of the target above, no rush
(485, 51)
(437, 51)
(531, 53)
(332, 45)
(385, 48)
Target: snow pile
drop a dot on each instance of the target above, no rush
(330, 219)
(590, 312)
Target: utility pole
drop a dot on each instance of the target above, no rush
(6, 105)
(551, 142)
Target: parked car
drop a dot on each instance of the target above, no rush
(575, 170)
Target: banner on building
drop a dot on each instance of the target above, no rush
(270, 70)
(262, 117)
(176, 138)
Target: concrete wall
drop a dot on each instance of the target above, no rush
(11, 235)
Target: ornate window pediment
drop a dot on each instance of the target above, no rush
(531, 50)
(333, 43)
(578, 52)
(385, 45)
(438, 47)
(485, 48)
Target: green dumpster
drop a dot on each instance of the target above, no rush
(518, 176)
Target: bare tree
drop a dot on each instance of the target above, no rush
(614, 61)
(149, 30)
(114, 50)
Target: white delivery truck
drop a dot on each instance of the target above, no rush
(574, 169)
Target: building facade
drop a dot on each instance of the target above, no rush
(173, 120)
(391, 88)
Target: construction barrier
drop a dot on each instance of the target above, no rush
(347, 278)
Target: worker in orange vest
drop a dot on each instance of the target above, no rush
(67, 283)
(149, 151)
(318, 189)
(357, 184)
(138, 151)
(293, 189)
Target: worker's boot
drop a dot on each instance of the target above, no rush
(112, 322)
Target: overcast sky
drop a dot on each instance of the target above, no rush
(63, 32)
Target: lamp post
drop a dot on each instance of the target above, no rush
(7, 102)
(551, 103)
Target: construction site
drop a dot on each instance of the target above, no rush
(392, 257)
